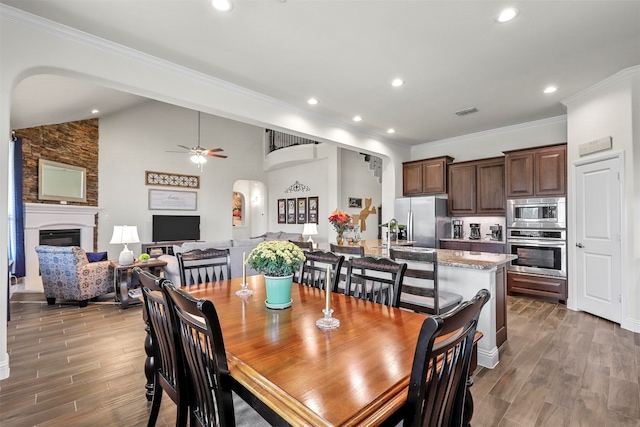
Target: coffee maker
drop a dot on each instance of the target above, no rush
(457, 228)
(496, 232)
(475, 231)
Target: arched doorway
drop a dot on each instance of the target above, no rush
(249, 215)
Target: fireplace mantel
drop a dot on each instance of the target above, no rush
(47, 216)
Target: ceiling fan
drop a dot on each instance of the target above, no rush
(199, 154)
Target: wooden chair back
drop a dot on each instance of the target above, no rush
(438, 382)
(201, 339)
(204, 265)
(348, 252)
(313, 271)
(168, 362)
(375, 279)
(423, 267)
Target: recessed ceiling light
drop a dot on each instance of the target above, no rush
(222, 5)
(312, 101)
(397, 82)
(508, 14)
(392, 130)
(95, 111)
(550, 89)
(357, 119)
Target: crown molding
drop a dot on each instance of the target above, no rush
(18, 16)
(620, 77)
(496, 131)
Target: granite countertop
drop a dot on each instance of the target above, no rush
(467, 240)
(450, 258)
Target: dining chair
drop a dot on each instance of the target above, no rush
(313, 271)
(375, 279)
(200, 335)
(438, 380)
(348, 252)
(422, 269)
(204, 265)
(168, 363)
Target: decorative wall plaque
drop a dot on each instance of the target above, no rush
(297, 187)
(172, 179)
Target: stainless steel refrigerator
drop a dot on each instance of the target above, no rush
(425, 219)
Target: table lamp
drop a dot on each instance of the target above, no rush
(310, 229)
(123, 234)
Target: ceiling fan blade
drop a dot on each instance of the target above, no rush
(176, 151)
(214, 150)
(218, 155)
(186, 148)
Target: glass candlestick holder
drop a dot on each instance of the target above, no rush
(327, 322)
(244, 291)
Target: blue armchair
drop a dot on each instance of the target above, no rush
(67, 274)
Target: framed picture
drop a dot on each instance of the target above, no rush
(313, 210)
(282, 211)
(302, 210)
(291, 211)
(172, 200)
(355, 202)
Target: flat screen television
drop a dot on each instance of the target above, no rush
(167, 228)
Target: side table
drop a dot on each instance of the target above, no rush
(122, 278)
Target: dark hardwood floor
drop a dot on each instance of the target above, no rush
(77, 367)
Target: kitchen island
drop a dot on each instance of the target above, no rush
(465, 273)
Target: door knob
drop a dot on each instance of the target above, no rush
(580, 245)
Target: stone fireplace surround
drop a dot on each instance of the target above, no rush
(46, 216)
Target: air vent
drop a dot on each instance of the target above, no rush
(467, 111)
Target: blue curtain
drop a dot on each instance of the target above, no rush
(16, 209)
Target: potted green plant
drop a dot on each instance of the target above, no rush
(144, 257)
(277, 260)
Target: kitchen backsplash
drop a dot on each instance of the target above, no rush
(484, 221)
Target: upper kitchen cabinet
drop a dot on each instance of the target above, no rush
(537, 172)
(477, 188)
(428, 176)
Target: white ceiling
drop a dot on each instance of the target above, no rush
(452, 55)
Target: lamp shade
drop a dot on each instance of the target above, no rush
(124, 234)
(310, 229)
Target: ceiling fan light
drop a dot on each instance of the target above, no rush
(198, 159)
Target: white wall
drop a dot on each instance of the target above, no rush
(137, 140)
(492, 143)
(610, 108)
(358, 181)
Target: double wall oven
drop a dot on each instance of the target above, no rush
(536, 233)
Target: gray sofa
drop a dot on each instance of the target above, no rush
(236, 249)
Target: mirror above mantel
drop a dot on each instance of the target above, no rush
(61, 182)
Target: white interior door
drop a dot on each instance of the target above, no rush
(598, 246)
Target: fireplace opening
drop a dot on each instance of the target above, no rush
(69, 237)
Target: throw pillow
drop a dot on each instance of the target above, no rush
(97, 256)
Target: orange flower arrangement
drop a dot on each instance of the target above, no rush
(341, 221)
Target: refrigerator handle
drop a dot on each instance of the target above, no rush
(410, 225)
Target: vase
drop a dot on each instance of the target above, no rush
(278, 291)
(340, 239)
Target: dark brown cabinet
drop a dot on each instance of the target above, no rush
(549, 287)
(428, 176)
(477, 188)
(536, 172)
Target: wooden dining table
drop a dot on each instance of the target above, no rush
(356, 374)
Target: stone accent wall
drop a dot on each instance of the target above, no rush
(73, 143)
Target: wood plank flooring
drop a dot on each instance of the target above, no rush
(84, 367)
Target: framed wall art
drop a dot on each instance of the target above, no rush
(291, 211)
(302, 210)
(171, 200)
(282, 211)
(313, 210)
(355, 202)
